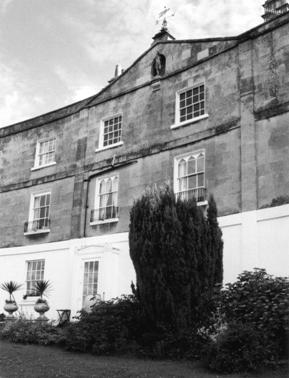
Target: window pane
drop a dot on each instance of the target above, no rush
(191, 165)
(102, 187)
(201, 164)
(192, 182)
(201, 180)
(182, 185)
(182, 168)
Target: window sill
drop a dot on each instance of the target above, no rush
(46, 231)
(28, 302)
(110, 146)
(43, 166)
(203, 203)
(190, 121)
(112, 220)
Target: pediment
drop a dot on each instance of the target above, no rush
(160, 60)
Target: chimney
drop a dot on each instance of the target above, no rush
(274, 8)
(117, 72)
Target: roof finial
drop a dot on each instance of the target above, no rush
(164, 14)
(165, 25)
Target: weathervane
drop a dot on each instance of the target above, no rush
(163, 15)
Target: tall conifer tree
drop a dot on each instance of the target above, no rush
(177, 255)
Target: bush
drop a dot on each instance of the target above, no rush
(262, 301)
(110, 327)
(278, 201)
(254, 326)
(239, 348)
(26, 332)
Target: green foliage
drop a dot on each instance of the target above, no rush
(27, 332)
(256, 333)
(41, 287)
(278, 201)
(110, 327)
(10, 287)
(239, 348)
(177, 255)
(262, 301)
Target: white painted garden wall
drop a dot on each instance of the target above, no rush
(256, 239)
(252, 239)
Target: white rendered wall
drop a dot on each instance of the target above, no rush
(64, 267)
(252, 239)
(256, 239)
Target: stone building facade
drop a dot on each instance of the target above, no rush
(206, 116)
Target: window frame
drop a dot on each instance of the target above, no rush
(37, 154)
(31, 214)
(86, 261)
(26, 279)
(178, 122)
(187, 156)
(97, 199)
(101, 133)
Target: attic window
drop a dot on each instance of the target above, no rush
(159, 65)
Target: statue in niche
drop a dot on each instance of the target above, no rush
(159, 65)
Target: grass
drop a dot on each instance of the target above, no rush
(30, 361)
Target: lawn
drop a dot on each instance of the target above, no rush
(30, 361)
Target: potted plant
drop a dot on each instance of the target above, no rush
(41, 306)
(10, 304)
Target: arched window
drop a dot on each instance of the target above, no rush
(106, 202)
(191, 177)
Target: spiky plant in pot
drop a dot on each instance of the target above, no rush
(41, 306)
(10, 304)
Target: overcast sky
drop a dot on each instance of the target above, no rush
(55, 52)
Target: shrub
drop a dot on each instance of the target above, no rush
(278, 201)
(110, 327)
(262, 301)
(27, 332)
(239, 348)
(252, 331)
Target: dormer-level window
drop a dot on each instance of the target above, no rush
(189, 173)
(190, 105)
(111, 132)
(45, 153)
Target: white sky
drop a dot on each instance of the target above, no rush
(55, 52)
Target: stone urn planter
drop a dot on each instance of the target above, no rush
(10, 304)
(41, 306)
(10, 307)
